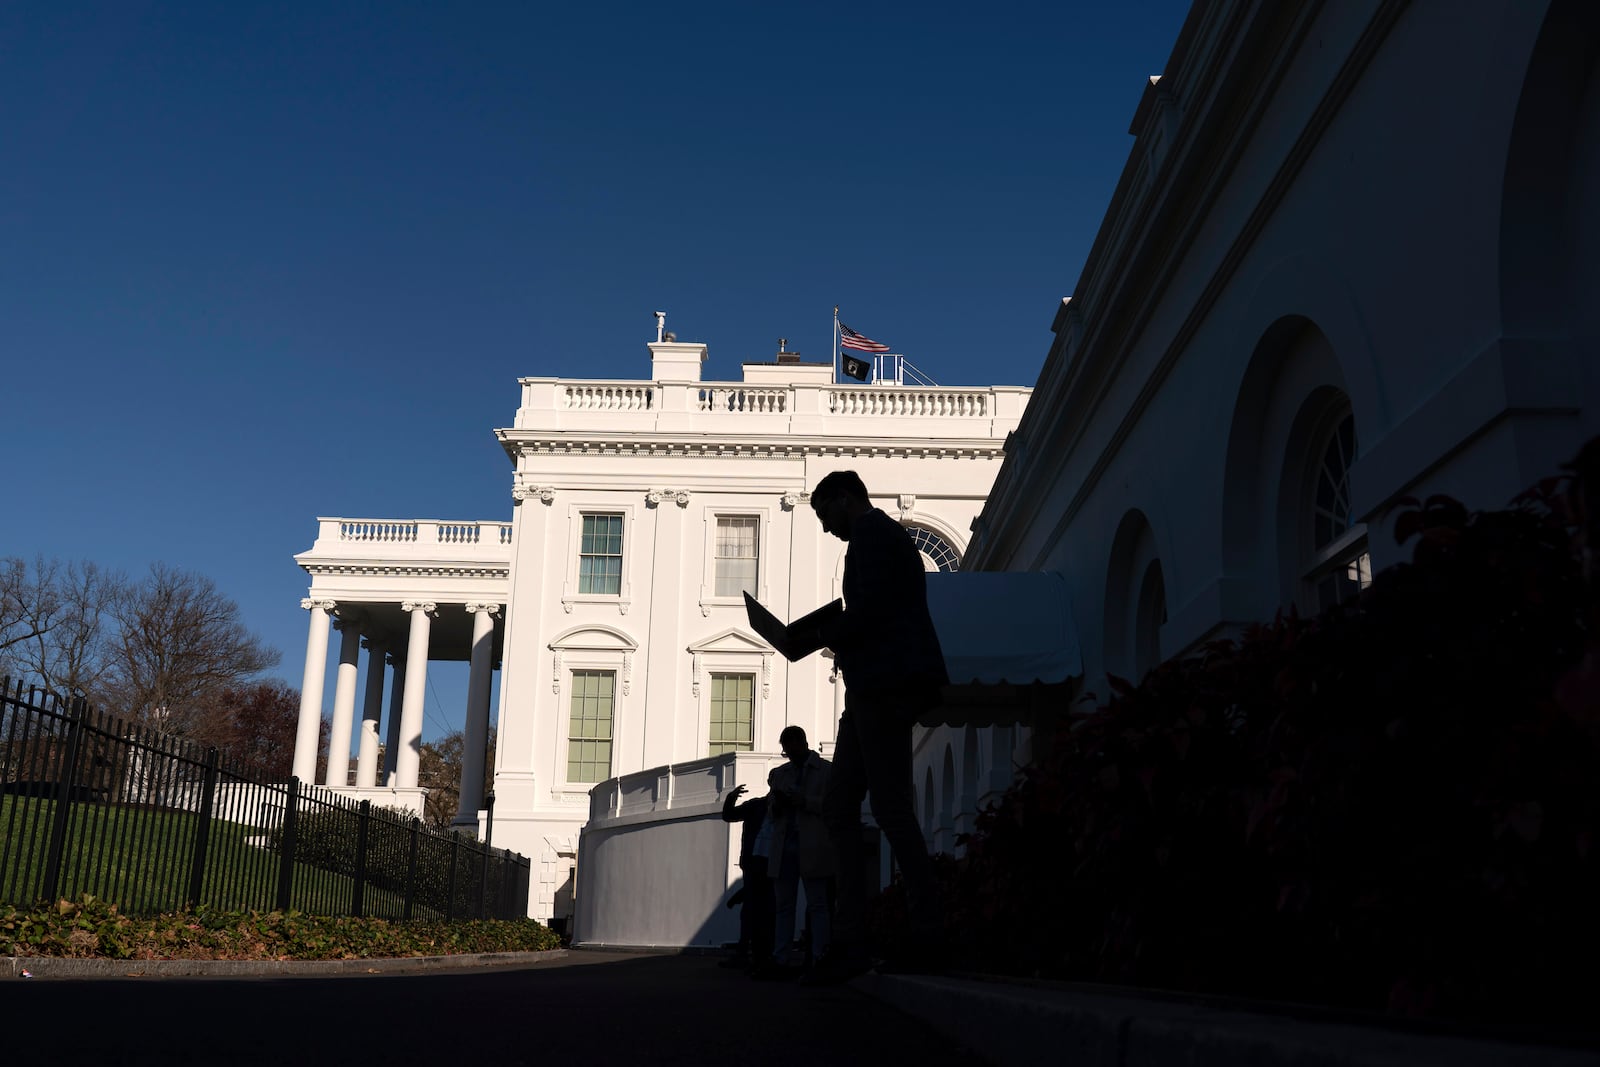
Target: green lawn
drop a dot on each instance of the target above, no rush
(142, 860)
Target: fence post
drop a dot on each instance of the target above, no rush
(202, 830)
(411, 867)
(66, 780)
(450, 892)
(287, 844)
(503, 898)
(358, 894)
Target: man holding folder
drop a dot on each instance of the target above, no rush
(885, 646)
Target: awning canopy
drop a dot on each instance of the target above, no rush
(1009, 643)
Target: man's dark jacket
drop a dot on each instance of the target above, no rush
(884, 642)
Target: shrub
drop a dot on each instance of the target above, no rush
(1390, 806)
(89, 927)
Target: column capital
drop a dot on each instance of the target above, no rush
(427, 607)
(350, 613)
(490, 608)
(791, 501)
(394, 659)
(545, 493)
(310, 603)
(376, 645)
(677, 496)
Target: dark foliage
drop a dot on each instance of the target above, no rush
(1392, 806)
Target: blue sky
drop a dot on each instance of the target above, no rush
(261, 262)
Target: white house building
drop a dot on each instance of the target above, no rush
(613, 599)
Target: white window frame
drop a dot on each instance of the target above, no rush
(732, 651)
(755, 701)
(708, 585)
(566, 701)
(589, 648)
(623, 600)
(1347, 547)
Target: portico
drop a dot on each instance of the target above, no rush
(407, 593)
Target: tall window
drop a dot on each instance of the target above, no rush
(737, 551)
(1340, 565)
(732, 713)
(600, 556)
(589, 731)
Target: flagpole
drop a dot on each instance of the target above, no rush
(836, 344)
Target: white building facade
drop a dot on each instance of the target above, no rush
(1354, 257)
(613, 600)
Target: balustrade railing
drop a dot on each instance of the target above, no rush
(932, 403)
(742, 398)
(414, 531)
(596, 396)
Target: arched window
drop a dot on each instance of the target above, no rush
(1150, 616)
(1338, 565)
(937, 553)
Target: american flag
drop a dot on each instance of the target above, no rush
(848, 338)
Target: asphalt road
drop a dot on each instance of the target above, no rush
(588, 1008)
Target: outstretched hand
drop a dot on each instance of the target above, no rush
(739, 790)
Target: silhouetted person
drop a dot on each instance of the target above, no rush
(801, 849)
(755, 907)
(885, 646)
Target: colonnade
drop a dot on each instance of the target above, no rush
(409, 664)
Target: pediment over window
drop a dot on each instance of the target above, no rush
(594, 639)
(732, 640)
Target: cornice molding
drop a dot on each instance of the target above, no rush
(398, 569)
(544, 444)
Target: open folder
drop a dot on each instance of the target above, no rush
(798, 639)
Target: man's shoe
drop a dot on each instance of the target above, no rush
(833, 969)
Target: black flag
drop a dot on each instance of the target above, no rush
(859, 369)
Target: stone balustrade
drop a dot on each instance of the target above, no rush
(491, 537)
(741, 407)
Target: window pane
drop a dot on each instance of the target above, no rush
(589, 728)
(600, 555)
(732, 713)
(737, 551)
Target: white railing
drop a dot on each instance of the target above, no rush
(607, 396)
(743, 398)
(415, 531)
(930, 403)
(384, 531)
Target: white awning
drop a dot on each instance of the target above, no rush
(1005, 627)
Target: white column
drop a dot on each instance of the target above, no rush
(371, 714)
(397, 697)
(408, 757)
(309, 730)
(476, 737)
(344, 700)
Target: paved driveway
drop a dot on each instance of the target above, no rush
(588, 1008)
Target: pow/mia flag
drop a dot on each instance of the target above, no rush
(859, 369)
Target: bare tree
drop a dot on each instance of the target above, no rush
(439, 770)
(179, 646)
(25, 612)
(71, 657)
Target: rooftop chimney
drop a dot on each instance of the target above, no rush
(784, 355)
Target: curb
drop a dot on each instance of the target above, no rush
(70, 967)
(1019, 1024)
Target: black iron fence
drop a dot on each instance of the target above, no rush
(152, 823)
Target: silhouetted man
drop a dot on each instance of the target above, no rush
(885, 646)
(801, 849)
(755, 906)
